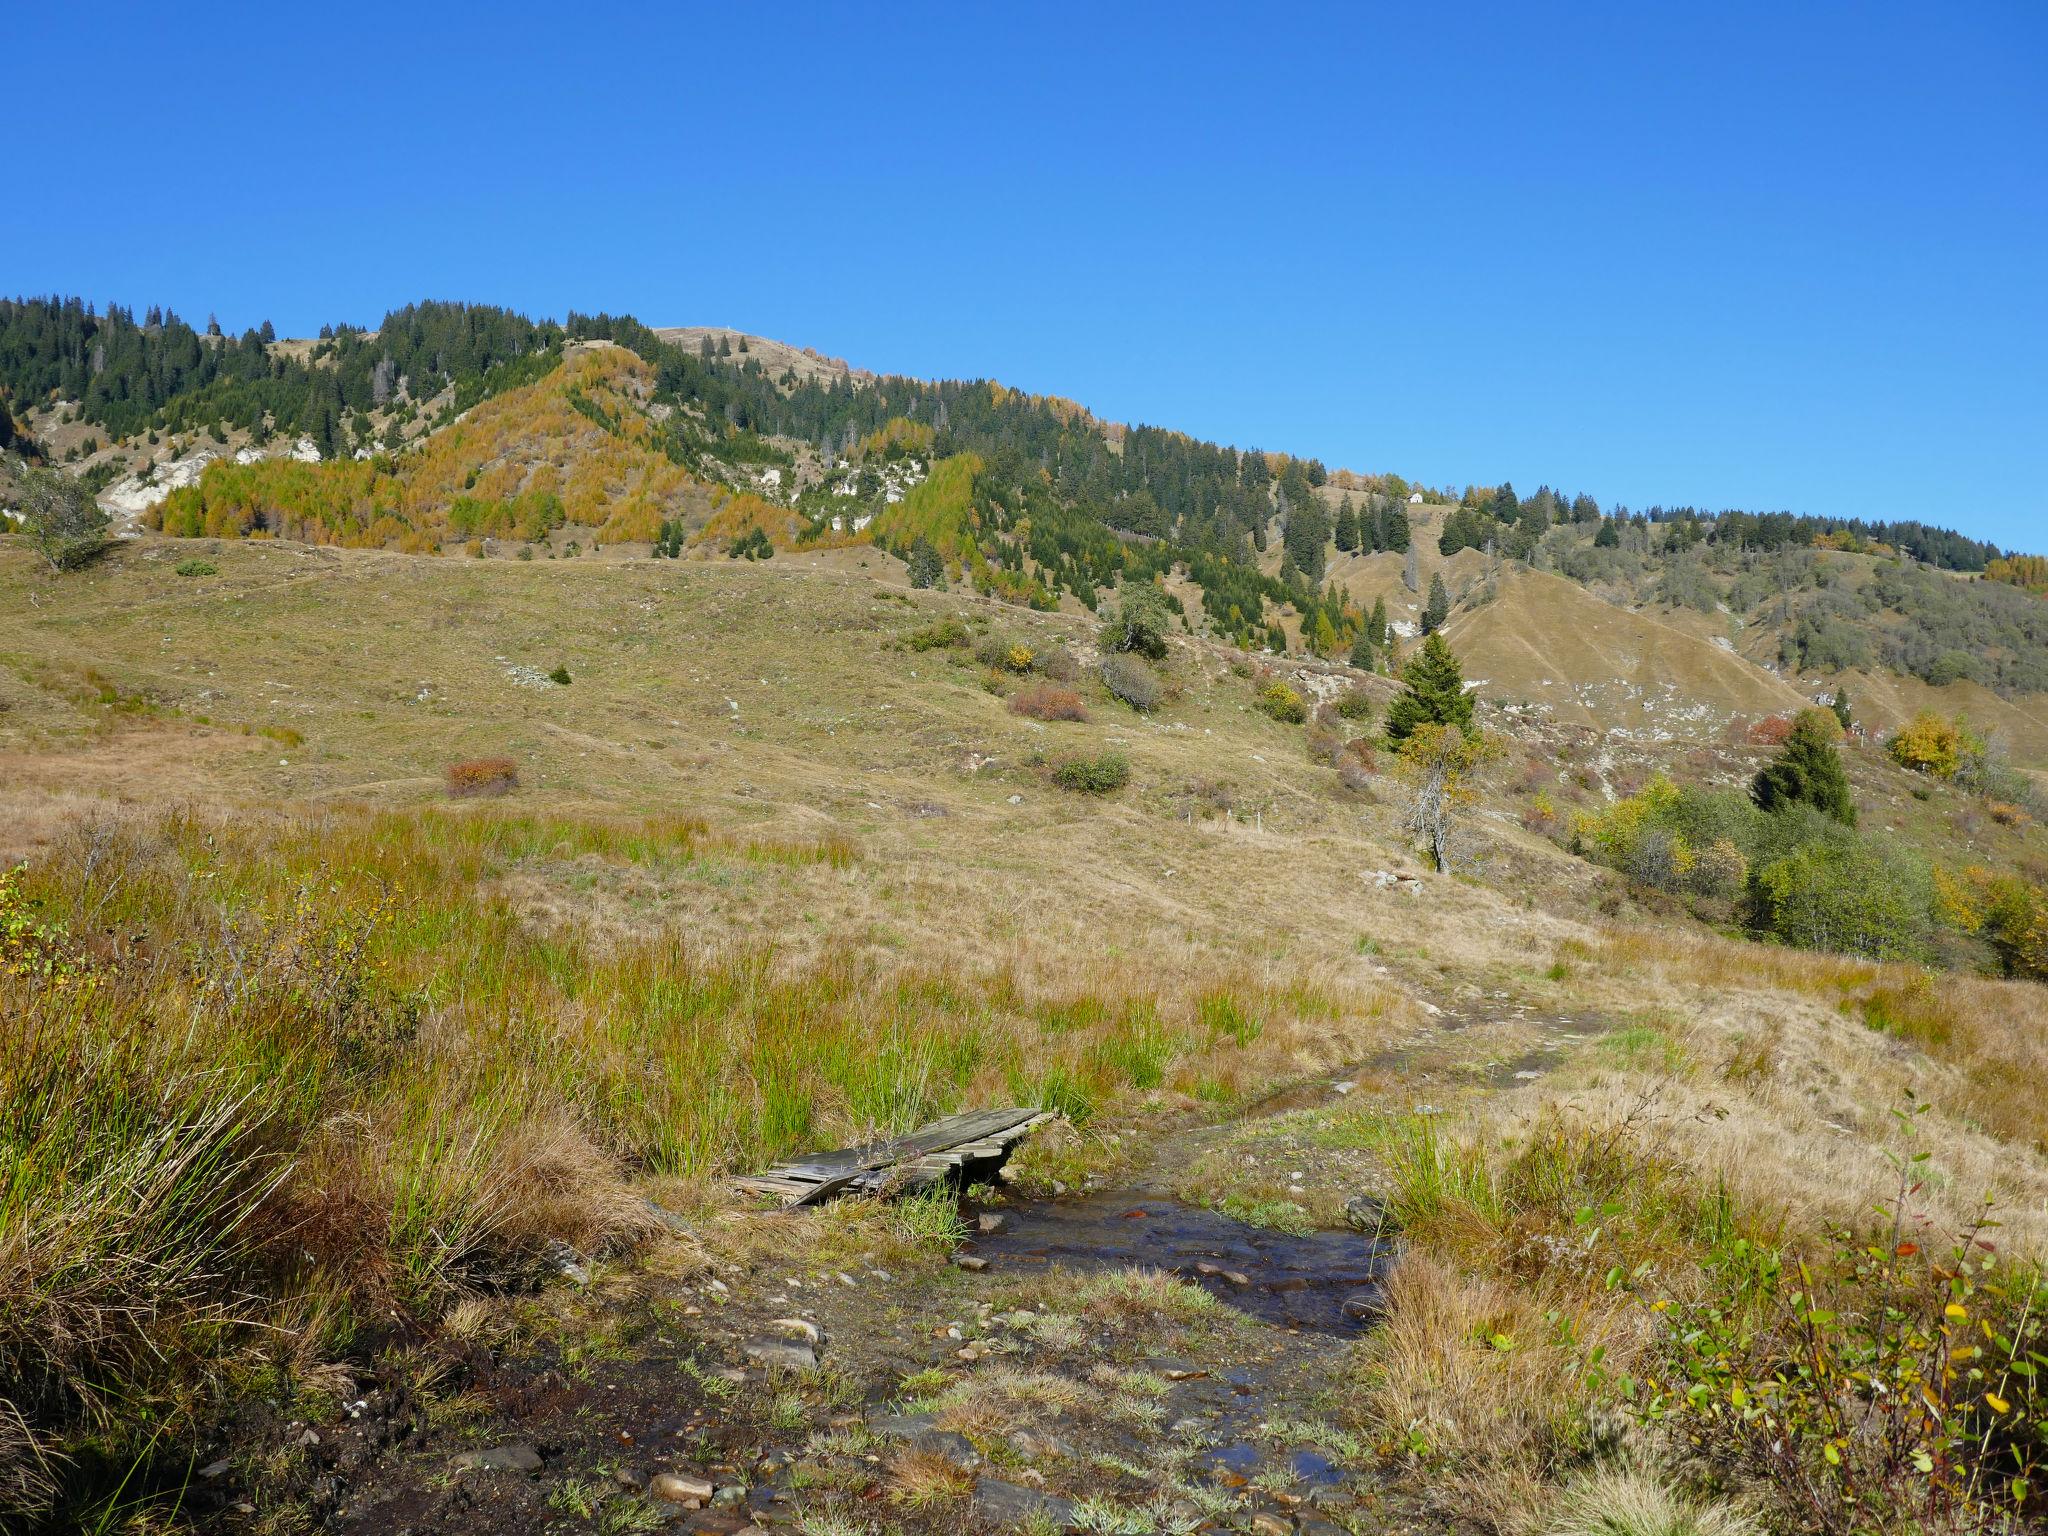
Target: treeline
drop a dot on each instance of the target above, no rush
(1495, 517)
(160, 374)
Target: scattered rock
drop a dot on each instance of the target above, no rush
(215, 1469)
(782, 1354)
(1013, 1504)
(680, 1488)
(1267, 1523)
(502, 1458)
(900, 1426)
(1367, 1213)
(972, 1263)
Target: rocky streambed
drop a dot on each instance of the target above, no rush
(1113, 1360)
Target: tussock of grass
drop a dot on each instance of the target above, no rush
(1623, 1502)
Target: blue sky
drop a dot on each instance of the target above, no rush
(1729, 254)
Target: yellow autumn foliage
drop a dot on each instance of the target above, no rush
(573, 448)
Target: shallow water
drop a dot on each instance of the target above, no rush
(1296, 1282)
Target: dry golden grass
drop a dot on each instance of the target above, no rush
(924, 1480)
(1799, 1061)
(1470, 1370)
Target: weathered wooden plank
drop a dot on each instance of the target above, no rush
(926, 1156)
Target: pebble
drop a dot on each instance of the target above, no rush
(503, 1458)
(680, 1488)
(972, 1263)
(1015, 1505)
(991, 1222)
(788, 1354)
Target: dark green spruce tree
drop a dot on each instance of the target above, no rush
(1433, 693)
(1438, 608)
(1807, 771)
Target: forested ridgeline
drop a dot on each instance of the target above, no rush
(1038, 496)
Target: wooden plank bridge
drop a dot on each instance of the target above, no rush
(961, 1149)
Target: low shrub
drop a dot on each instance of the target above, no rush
(560, 677)
(1354, 703)
(1100, 775)
(197, 568)
(483, 776)
(1130, 680)
(1004, 653)
(1058, 663)
(943, 634)
(1046, 702)
(1282, 703)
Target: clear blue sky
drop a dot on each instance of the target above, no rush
(1740, 254)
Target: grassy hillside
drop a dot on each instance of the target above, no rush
(780, 865)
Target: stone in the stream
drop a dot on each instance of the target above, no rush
(1013, 1504)
(783, 1354)
(502, 1458)
(680, 1487)
(991, 1222)
(1368, 1213)
(972, 1263)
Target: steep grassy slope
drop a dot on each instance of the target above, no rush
(1550, 641)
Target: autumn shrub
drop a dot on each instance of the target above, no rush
(1770, 731)
(1280, 702)
(1868, 1383)
(1004, 653)
(1930, 744)
(1047, 702)
(482, 776)
(1129, 679)
(1847, 894)
(1099, 775)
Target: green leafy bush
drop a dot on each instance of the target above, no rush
(941, 634)
(1846, 894)
(1140, 623)
(1100, 775)
(197, 568)
(1355, 704)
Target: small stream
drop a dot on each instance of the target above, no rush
(1326, 1282)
